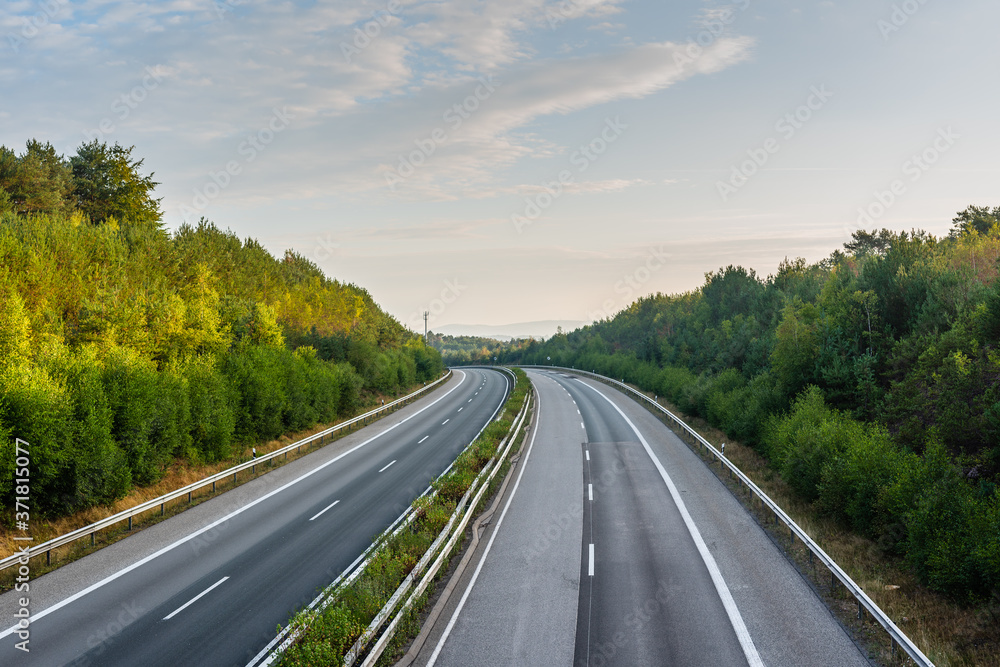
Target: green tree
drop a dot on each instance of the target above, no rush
(107, 184)
(980, 219)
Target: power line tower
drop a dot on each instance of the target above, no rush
(425, 326)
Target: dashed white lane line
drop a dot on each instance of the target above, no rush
(461, 408)
(193, 600)
(387, 465)
(469, 401)
(590, 491)
(422, 439)
(590, 568)
(325, 509)
(735, 618)
(587, 452)
(582, 426)
(445, 421)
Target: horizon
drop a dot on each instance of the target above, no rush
(524, 162)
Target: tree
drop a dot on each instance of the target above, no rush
(36, 182)
(975, 218)
(107, 184)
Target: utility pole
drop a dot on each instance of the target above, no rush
(425, 326)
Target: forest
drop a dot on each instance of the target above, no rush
(125, 347)
(869, 380)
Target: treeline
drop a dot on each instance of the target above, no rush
(124, 348)
(870, 380)
(462, 350)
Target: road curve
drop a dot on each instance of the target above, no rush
(209, 586)
(595, 560)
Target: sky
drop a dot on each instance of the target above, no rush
(522, 160)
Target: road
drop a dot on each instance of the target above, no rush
(209, 586)
(617, 546)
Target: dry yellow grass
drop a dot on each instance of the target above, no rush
(948, 633)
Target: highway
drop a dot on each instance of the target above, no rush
(617, 546)
(210, 585)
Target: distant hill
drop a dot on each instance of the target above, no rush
(505, 332)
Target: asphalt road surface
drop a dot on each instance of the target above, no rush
(617, 546)
(209, 586)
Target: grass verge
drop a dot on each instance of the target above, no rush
(328, 635)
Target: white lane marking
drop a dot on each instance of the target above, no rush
(476, 394)
(489, 545)
(445, 422)
(169, 547)
(746, 642)
(590, 568)
(461, 408)
(325, 509)
(590, 491)
(587, 452)
(578, 411)
(582, 426)
(193, 600)
(387, 466)
(469, 401)
(422, 439)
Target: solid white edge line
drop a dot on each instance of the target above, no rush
(169, 547)
(735, 618)
(193, 600)
(422, 439)
(387, 465)
(489, 545)
(590, 568)
(325, 509)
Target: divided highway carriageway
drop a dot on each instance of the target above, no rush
(210, 585)
(615, 545)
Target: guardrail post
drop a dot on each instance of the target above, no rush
(161, 508)
(91, 538)
(130, 523)
(213, 487)
(189, 496)
(48, 557)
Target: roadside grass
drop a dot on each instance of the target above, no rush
(949, 634)
(179, 474)
(329, 635)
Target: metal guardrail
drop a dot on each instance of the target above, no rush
(896, 636)
(129, 514)
(291, 633)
